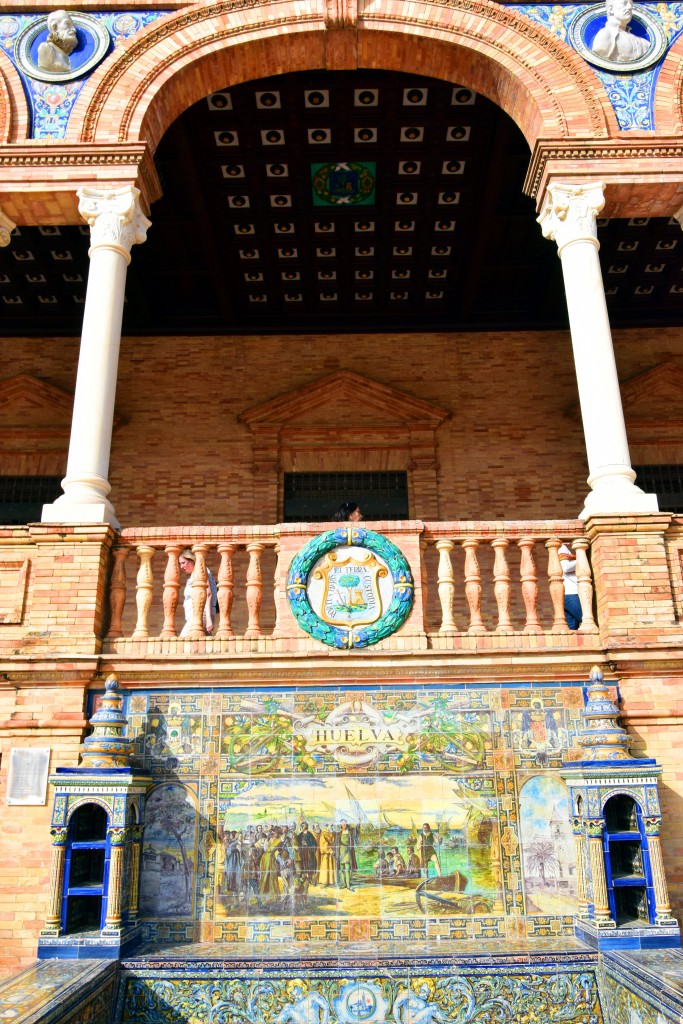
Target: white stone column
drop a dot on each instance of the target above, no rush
(116, 224)
(569, 218)
(7, 226)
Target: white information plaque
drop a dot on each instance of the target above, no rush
(27, 778)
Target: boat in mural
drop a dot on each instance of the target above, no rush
(445, 894)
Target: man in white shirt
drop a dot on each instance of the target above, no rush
(572, 605)
(187, 561)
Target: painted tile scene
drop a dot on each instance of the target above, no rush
(342, 815)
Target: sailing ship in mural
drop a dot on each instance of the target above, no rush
(390, 847)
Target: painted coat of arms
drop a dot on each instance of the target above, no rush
(351, 593)
(350, 587)
(343, 184)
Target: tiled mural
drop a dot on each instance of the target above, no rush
(435, 995)
(359, 814)
(643, 988)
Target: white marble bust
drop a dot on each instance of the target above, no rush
(615, 41)
(62, 39)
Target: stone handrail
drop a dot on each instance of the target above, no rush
(506, 597)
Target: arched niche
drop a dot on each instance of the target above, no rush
(86, 870)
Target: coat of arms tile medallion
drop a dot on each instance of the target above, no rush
(343, 183)
(350, 587)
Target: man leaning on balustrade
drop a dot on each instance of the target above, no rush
(186, 560)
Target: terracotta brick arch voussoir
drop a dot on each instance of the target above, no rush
(539, 81)
(14, 114)
(668, 112)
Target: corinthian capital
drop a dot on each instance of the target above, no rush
(569, 212)
(7, 226)
(115, 217)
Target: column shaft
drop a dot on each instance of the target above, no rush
(117, 223)
(569, 218)
(115, 892)
(662, 904)
(600, 902)
(54, 911)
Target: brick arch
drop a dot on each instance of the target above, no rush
(668, 113)
(14, 116)
(540, 82)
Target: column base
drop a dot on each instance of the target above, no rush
(614, 493)
(72, 512)
(91, 945)
(626, 937)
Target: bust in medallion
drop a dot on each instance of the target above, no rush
(62, 39)
(615, 41)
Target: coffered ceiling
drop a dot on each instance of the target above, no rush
(335, 201)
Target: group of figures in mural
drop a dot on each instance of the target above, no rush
(276, 865)
(353, 810)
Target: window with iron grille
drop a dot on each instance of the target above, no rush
(315, 497)
(664, 481)
(22, 497)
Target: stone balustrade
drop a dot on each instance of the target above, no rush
(479, 586)
(510, 578)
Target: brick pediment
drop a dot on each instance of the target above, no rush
(339, 399)
(652, 403)
(654, 399)
(31, 408)
(29, 405)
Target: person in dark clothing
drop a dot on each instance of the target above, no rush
(348, 512)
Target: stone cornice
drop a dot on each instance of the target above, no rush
(28, 168)
(618, 161)
(58, 154)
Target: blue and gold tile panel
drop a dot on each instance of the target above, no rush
(51, 103)
(631, 93)
(387, 814)
(367, 987)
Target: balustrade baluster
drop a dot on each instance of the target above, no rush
(473, 586)
(585, 582)
(556, 585)
(528, 576)
(199, 598)
(501, 584)
(226, 585)
(254, 591)
(143, 591)
(446, 586)
(424, 545)
(171, 588)
(117, 593)
(276, 591)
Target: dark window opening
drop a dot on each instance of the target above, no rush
(664, 481)
(84, 914)
(89, 823)
(315, 497)
(87, 868)
(22, 497)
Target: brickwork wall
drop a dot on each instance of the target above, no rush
(35, 716)
(653, 707)
(64, 590)
(511, 449)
